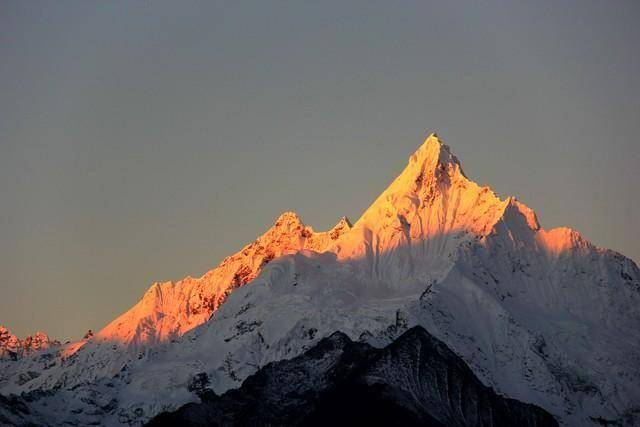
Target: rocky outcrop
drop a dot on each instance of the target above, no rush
(12, 347)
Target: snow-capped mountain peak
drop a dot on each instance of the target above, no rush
(432, 153)
(542, 316)
(169, 309)
(422, 217)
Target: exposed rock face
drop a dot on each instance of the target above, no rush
(169, 309)
(14, 412)
(12, 347)
(416, 380)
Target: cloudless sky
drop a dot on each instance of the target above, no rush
(143, 141)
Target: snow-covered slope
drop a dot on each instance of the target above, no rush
(167, 310)
(540, 315)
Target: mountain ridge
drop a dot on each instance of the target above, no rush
(173, 308)
(537, 314)
(415, 380)
(12, 347)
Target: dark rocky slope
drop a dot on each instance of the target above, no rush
(14, 412)
(416, 380)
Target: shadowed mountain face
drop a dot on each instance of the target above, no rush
(416, 380)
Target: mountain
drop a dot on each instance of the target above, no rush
(414, 381)
(168, 310)
(541, 316)
(12, 347)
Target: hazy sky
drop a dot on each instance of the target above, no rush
(146, 140)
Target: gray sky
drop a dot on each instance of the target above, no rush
(144, 141)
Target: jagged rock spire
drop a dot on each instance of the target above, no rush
(13, 347)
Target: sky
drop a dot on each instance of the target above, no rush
(145, 141)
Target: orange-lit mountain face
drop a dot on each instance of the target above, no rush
(426, 213)
(13, 347)
(542, 316)
(168, 310)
